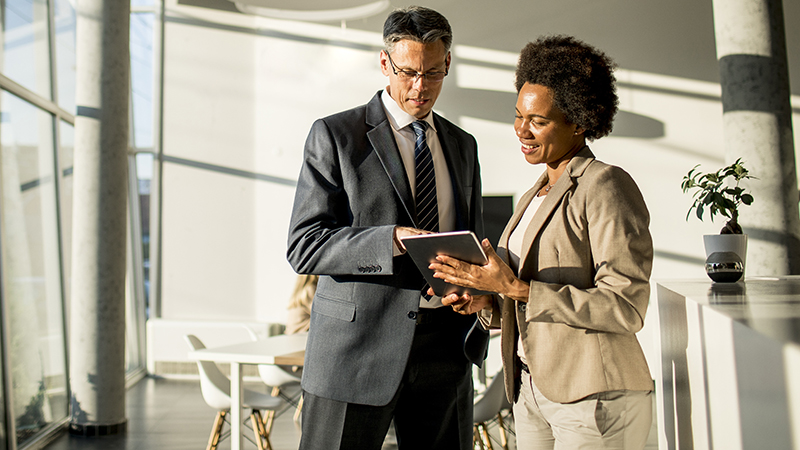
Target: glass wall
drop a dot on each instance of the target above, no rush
(142, 95)
(66, 134)
(26, 45)
(37, 143)
(32, 289)
(65, 21)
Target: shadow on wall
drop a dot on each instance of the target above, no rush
(499, 107)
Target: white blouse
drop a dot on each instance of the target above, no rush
(515, 248)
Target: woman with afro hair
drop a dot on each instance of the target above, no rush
(571, 272)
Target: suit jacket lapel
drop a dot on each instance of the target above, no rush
(574, 169)
(522, 205)
(382, 139)
(455, 167)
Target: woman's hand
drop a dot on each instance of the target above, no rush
(494, 276)
(467, 304)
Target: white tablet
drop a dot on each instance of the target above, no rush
(463, 245)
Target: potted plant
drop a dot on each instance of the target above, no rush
(719, 192)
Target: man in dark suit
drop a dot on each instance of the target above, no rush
(378, 349)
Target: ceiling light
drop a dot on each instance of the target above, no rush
(326, 15)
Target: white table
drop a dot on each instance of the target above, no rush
(282, 349)
(730, 364)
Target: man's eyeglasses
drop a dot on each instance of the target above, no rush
(410, 75)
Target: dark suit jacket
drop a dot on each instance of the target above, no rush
(351, 193)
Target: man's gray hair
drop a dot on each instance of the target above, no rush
(418, 24)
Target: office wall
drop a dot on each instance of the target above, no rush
(242, 92)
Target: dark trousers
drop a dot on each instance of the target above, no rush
(432, 408)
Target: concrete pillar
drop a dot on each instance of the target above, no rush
(97, 313)
(751, 48)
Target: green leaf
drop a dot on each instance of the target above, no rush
(716, 192)
(728, 204)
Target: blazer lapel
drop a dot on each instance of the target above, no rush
(455, 167)
(382, 139)
(574, 169)
(551, 200)
(522, 205)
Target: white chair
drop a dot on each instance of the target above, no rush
(488, 409)
(216, 389)
(279, 378)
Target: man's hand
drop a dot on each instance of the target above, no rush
(401, 232)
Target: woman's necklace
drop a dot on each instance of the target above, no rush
(546, 189)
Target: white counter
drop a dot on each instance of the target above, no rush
(730, 364)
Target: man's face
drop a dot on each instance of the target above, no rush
(415, 95)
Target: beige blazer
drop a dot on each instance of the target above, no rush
(588, 256)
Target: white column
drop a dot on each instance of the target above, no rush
(97, 313)
(757, 121)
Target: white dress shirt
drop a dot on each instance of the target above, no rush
(406, 140)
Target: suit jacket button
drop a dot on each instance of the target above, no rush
(522, 306)
(412, 315)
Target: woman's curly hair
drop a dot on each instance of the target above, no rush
(580, 77)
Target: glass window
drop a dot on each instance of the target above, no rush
(135, 303)
(144, 171)
(142, 79)
(65, 22)
(142, 133)
(66, 151)
(30, 262)
(26, 48)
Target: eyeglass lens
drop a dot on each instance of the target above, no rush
(412, 75)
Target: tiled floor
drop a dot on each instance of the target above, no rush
(171, 415)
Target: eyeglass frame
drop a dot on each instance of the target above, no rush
(417, 75)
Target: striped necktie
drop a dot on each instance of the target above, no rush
(427, 207)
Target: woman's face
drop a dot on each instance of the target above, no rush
(544, 133)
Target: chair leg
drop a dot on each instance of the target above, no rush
(486, 436)
(299, 409)
(216, 431)
(263, 430)
(502, 426)
(477, 441)
(269, 416)
(258, 430)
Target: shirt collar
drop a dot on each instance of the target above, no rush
(399, 118)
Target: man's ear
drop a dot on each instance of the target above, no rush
(384, 61)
